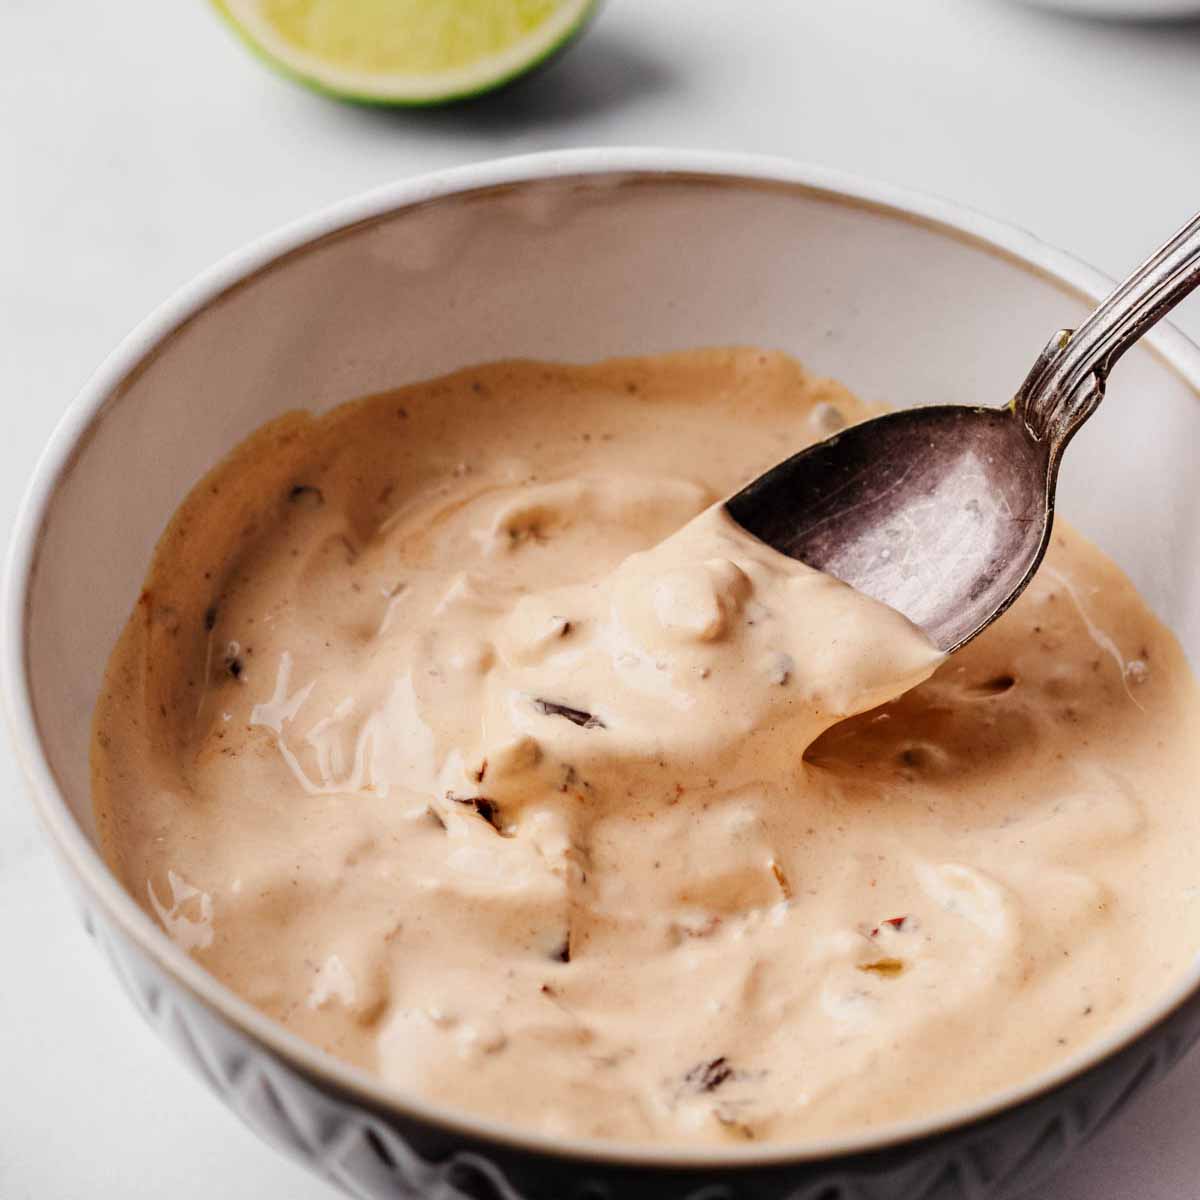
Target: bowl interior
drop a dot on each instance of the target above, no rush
(899, 308)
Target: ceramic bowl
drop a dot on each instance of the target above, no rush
(575, 255)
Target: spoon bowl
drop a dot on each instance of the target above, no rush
(942, 512)
(945, 512)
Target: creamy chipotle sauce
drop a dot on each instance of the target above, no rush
(461, 732)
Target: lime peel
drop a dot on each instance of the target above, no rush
(406, 52)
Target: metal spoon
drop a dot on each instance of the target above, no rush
(945, 512)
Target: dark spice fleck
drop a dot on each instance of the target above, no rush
(781, 879)
(486, 808)
(233, 665)
(210, 616)
(708, 1076)
(998, 684)
(896, 923)
(563, 953)
(585, 720)
(308, 496)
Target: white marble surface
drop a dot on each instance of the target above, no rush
(138, 143)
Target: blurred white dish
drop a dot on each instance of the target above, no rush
(1128, 10)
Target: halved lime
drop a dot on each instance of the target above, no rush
(406, 51)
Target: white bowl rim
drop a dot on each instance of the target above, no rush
(953, 220)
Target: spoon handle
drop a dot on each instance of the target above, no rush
(1067, 381)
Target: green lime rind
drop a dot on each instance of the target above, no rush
(469, 92)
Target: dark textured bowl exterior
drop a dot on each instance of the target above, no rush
(372, 1153)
